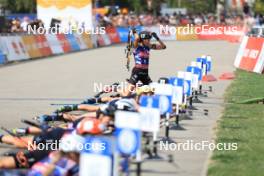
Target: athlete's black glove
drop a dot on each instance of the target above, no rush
(134, 30)
(128, 67)
(67, 108)
(154, 34)
(48, 118)
(92, 101)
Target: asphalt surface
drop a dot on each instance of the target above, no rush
(27, 89)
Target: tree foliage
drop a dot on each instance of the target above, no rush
(19, 6)
(196, 6)
(259, 6)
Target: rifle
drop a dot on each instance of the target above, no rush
(9, 132)
(15, 136)
(43, 127)
(31, 123)
(85, 101)
(128, 49)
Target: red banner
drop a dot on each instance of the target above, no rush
(210, 32)
(250, 56)
(100, 39)
(218, 32)
(251, 53)
(113, 34)
(43, 45)
(64, 43)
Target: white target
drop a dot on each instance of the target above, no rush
(97, 146)
(127, 141)
(175, 82)
(164, 104)
(186, 87)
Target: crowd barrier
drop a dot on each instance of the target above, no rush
(23, 47)
(250, 55)
(2, 58)
(228, 33)
(207, 32)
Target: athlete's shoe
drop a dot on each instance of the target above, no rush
(19, 131)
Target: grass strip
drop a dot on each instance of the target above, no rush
(242, 124)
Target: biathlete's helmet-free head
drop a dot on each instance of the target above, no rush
(126, 104)
(144, 89)
(119, 104)
(70, 142)
(145, 35)
(90, 126)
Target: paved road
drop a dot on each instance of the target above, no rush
(27, 89)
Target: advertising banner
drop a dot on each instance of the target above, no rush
(106, 39)
(2, 57)
(94, 40)
(181, 35)
(64, 43)
(54, 44)
(87, 40)
(220, 32)
(123, 33)
(73, 42)
(14, 48)
(210, 32)
(101, 40)
(43, 45)
(80, 41)
(250, 55)
(113, 35)
(78, 13)
(31, 47)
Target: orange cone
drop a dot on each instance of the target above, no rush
(227, 76)
(209, 78)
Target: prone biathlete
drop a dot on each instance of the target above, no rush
(82, 126)
(128, 103)
(26, 158)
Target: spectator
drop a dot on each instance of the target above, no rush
(126, 19)
(15, 25)
(198, 20)
(24, 24)
(246, 9)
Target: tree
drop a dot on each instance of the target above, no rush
(259, 6)
(19, 6)
(7, 4)
(26, 5)
(137, 6)
(3, 2)
(196, 6)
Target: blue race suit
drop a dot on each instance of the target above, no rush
(140, 71)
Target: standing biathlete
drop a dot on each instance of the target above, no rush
(142, 47)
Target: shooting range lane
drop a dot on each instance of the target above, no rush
(27, 89)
